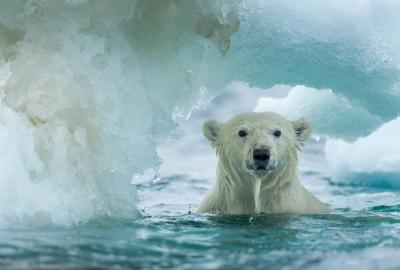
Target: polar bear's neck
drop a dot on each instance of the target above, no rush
(283, 194)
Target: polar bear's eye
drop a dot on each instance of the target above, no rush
(242, 133)
(277, 133)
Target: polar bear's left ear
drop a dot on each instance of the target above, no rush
(211, 130)
(302, 129)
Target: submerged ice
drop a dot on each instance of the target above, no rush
(89, 88)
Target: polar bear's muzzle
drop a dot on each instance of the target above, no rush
(261, 160)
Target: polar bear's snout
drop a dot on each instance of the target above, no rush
(261, 158)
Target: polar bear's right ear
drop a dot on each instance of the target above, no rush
(211, 130)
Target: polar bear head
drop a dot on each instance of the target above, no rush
(257, 143)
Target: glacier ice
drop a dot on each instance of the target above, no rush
(87, 89)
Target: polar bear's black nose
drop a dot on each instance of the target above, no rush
(261, 154)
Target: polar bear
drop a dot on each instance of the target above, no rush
(257, 166)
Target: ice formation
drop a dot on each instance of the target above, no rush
(87, 88)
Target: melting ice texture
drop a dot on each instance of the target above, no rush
(88, 88)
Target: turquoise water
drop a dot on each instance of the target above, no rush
(231, 242)
(368, 238)
(363, 231)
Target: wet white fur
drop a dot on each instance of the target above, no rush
(239, 190)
